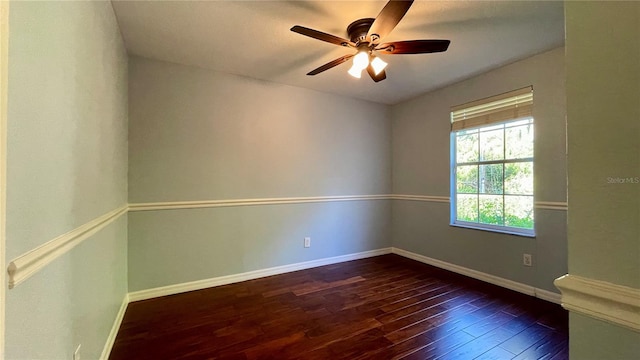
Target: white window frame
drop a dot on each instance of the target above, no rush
(519, 114)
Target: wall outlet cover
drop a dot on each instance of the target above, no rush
(527, 260)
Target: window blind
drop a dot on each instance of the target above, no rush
(508, 106)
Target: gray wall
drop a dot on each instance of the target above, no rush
(202, 135)
(603, 119)
(66, 165)
(421, 166)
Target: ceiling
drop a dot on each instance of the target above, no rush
(252, 38)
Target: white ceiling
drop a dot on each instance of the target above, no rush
(252, 38)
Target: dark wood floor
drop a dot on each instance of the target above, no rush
(386, 307)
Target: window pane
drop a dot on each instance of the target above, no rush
(467, 146)
(491, 209)
(494, 176)
(519, 142)
(518, 211)
(467, 207)
(518, 178)
(492, 145)
(491, 179)
(467, 179)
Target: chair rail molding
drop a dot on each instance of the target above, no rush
(426, 198)
(552, 205)
(27, 264)
(171, 205)
(613, 303)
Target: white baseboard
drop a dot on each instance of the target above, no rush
(250, 275)
(106, 351)
(549, 296)
(234, 278)
(492, 279)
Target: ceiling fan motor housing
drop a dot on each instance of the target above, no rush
(358, 30)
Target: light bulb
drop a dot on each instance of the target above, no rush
(355, 71)
(361, 60)
(378, 65)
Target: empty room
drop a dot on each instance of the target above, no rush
(320, 180)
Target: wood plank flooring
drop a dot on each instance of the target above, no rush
(385, 307)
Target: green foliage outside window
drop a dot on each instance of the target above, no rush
(494, 175)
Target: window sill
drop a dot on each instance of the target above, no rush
(499, 231)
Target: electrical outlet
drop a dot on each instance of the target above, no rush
(526, 260)
(76, 354)
(307, 242)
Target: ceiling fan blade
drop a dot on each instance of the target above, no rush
(377, 78)
(330, 64)
(414, 47)
(388, 18)
(322, 36)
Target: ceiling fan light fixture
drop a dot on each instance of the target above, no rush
(355, 71)
(361, 60)
(378, 65)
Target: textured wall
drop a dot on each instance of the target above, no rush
(603, 112)
(66, 165)
(603, 117)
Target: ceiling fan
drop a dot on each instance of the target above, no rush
(365, 35)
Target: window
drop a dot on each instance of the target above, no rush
(492, 163)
